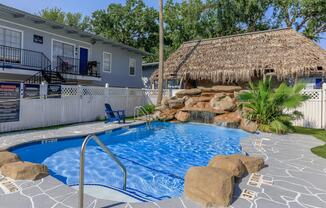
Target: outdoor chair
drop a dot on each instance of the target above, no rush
(111, 115)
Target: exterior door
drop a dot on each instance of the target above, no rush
(83, 61)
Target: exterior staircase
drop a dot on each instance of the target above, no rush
(51, 77)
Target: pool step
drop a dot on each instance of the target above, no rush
(113, 194)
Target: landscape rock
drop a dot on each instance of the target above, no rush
(210, 186)
(208, 94)
(226, 88)
(24, 170)
(231, 120)
(156, 115)
(252, 164)
(225, 104)
(194, 100)
(167, 115)
(176, 103)
(165, 101)
(248, 125)
(182, 116)
(233, 166)
(208, 110)
(202, 105)
(189, 92)
(190, 102)
(7, 157)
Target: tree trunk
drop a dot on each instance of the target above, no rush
(161, 61)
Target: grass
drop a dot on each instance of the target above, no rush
(319, 134)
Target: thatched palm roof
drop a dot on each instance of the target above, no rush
(240, 58)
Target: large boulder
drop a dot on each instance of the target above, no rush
(232, 166)
(248, 125)
(224, 104)
(207, 109)
(226, 88)
(167, 115)
(24, 170)
(231, 120)
(176, 103)
(194, 100)
(189, 92)
(202, 105)
(210, 186)
(182, 116)
(7, 157)
(252, 164)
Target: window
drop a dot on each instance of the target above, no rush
(10, 38)
(132, 67)
(107, 62)
(62, 49)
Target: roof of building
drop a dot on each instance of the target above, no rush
(150, 64)
(37, 20)
(240, 58)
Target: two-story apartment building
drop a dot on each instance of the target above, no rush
(35, 50)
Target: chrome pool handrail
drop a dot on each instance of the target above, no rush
(82, 165)
(148, 117)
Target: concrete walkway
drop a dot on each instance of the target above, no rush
(294, 177)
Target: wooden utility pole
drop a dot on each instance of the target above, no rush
(161, 61)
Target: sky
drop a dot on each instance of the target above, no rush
(85, 7)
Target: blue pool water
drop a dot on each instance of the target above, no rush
(156, 159)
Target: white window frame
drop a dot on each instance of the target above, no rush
(110, 69)
(16, 30)
(68, 43)
(135, 61)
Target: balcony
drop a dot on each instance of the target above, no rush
(17, 58)
(67, 65)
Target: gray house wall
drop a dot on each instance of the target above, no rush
(119, 75)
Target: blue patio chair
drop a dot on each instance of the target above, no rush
(111, 115)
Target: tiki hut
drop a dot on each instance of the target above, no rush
(238, 59)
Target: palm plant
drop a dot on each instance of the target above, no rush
(272, 109)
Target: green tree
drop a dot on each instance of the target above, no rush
(183, 22)
(306, 16)
(54, 14)
(133, 24)
(272, 109)
(72, 19)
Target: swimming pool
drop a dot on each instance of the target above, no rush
(156, 159)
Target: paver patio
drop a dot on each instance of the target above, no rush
(294, 177)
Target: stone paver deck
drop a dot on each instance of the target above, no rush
(294, 177)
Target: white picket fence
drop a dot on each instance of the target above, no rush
(314, 109)
(77, 104)
(86, 103)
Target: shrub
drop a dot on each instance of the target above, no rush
(150, 108)
(272, 109)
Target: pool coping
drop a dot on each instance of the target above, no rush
(63, 137)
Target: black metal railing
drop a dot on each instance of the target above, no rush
(69, 65)
(11, 57)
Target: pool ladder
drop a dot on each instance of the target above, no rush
(82, 165)
(148, 116)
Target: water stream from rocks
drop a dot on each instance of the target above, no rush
(201, 116)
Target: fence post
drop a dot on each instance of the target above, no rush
(43, 96)
(106, 93)
(80, 93)
(323, 107)
(127, 99)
